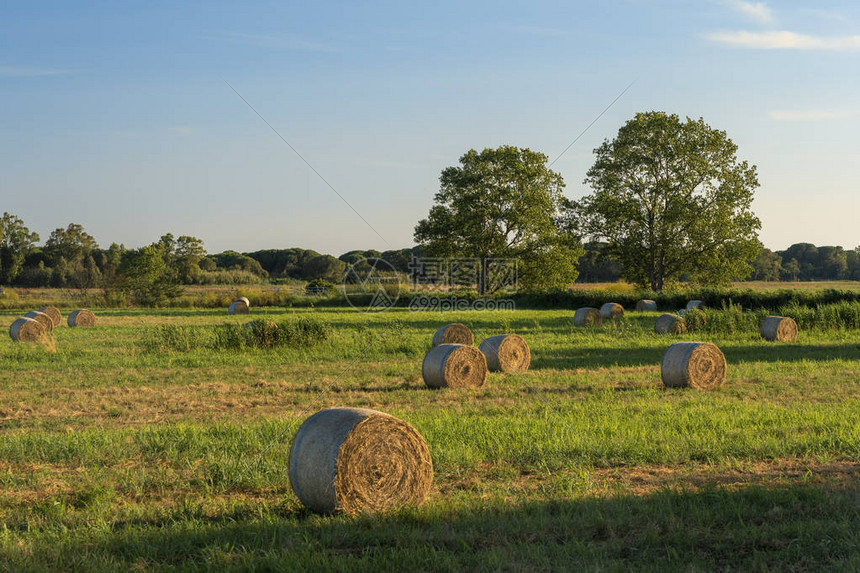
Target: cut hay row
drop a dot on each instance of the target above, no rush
(779, 329)
(699, 365)
(670, 324)
(455, 333)
(454, 366)
(506, 353)
(357, 460)
(26, 329)
(81, 317)
(587, 316)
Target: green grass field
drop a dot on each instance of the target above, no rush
(122, 450)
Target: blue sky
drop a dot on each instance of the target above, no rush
(117, 115)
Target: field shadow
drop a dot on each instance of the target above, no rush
(806, 526)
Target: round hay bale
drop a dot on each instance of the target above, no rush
(43, 318)
(454, 366)
(646, 305)
(699, 365)
(695, 304)
(670, 324)
(357, 460)
(245, 300)
(54, 313)
(26, 329)
(455, 333)
(779, 328)
(239, 307)
(81, 317)
(587, 316)
(611, 310)
(506, 353)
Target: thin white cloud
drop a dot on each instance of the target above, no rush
(757, 11)
(30, 72)
(811, 115)
(282, 41)
(785, 40)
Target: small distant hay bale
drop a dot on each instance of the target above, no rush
(81, 317)
(239, 307)
(506, 353)
(454, 333)
(611, 310)
(355, 460)
(245, 300)
(779, 328)
(670, 324)
(699, 365)
(695, 304)
(26, 329)
(454, 366)
(43, 318)
(54, 313)
(587, 316)
(646, 305)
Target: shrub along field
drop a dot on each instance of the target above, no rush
(159, 440)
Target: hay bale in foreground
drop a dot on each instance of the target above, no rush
(695, 304)
(54, 313)
(454, 366)
(239, 307)
(245, 300)
(587, 316)
(81, 317)
(670, 324)
(611, 310)
(454, 333)
(699, 365)
(26, 329)
(42, 318)
(779, 328)
(357, 460)
(506, 353)
(646, 305)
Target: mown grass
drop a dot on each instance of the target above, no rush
(143, 444)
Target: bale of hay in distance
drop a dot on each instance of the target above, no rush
(645, 305)
(779, 328)
(611, 310)
(81, 317)
(42, 318)
(238, 307)
(54, 313)
(454, 333)
(26, 329)
(699, 365)
(695, 304)
(587, 316)
(454, 366)
(357, 460)
(506, 353)
(670, 324)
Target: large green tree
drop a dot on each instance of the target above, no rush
(16, 241)
(673, 200)
(503, 203)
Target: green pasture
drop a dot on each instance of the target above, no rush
(145, 444)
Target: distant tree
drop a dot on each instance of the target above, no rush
(806, 257)
(187, 254)
(596, 265)
(233, 261)
(324, 267)
(16, 242)
(71, 244)
(503, 203)
(832, 263)
(145, 276)
(672, 199)
(767, 266)
(791, 270)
